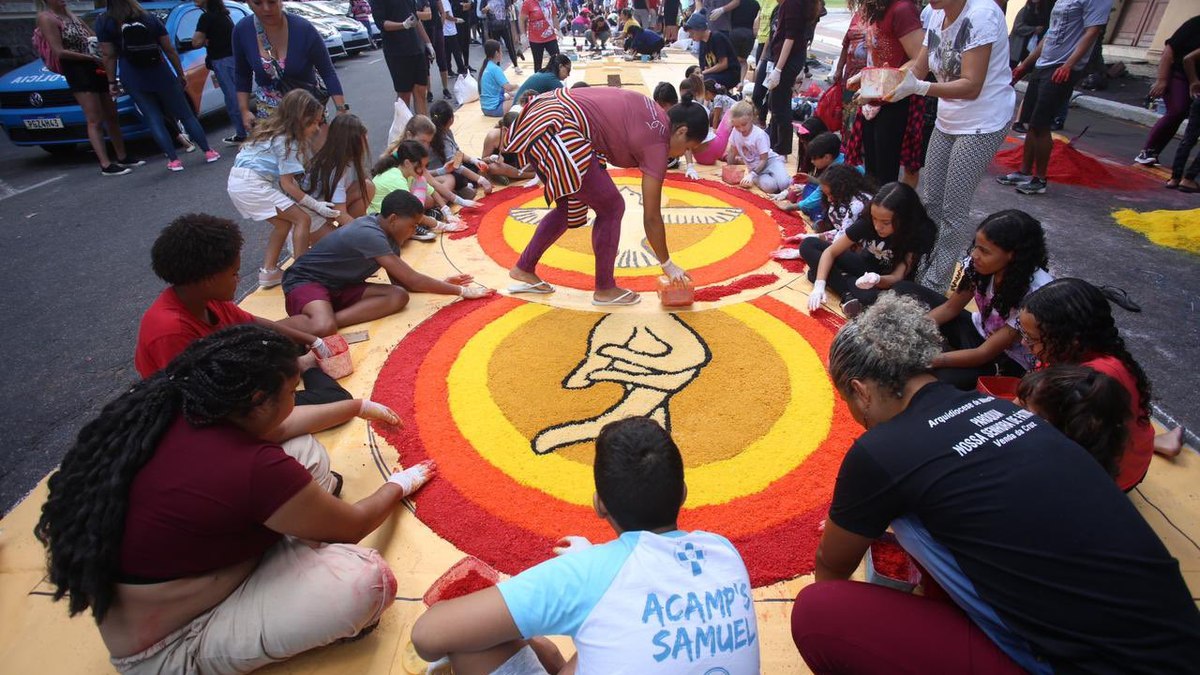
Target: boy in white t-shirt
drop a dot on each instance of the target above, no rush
(654, 600)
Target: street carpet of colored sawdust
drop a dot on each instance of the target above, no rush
(1174, 229)
(1072, 167)
(718, 291)
(507, 396)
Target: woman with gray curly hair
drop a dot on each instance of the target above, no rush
(1036, 578)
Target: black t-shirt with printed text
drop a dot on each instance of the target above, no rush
(1032, 523)
(712, 51)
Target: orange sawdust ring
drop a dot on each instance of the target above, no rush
(775, 529)
(489, 228)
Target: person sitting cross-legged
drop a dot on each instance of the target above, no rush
(623, 601)
(327, 287)
(198, 544)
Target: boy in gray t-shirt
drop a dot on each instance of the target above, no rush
(1057, 64)
(326, 288)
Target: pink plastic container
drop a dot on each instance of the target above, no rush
(340, 364)
(876, 82)
(733, 174)
(999, 386)
(681, 294)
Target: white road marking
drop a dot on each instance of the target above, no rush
(7, 190)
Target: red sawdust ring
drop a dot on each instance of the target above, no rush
(490, 233)
(775, 548)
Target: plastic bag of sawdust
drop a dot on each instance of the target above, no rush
(464, 578)
(875, 82)
(340, 364)
(732, 174)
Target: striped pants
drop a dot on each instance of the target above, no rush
(953, 168)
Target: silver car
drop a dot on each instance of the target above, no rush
(352, 34)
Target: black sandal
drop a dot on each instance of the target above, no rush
(337, 484)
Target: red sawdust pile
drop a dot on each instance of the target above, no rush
(466, 576)
(1072, 167)
(716, 292)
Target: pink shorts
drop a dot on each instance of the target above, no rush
(298, 298)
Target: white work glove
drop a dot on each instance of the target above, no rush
(323, 209)
(868, 280)
(370, 410)
(465, 203)
(691, 172)
(475, 292)
(748, 179)
(908, 86)
(817, 297)
(446, 213)
(321, 348)
(429, 53)
(772, 79)
(716, 14)
(674, 272)
(752, 62)
(411, 479)
(486, 185)
(573, 544)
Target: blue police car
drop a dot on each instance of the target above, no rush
(37, 108)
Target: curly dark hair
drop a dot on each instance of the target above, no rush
(1020, 234)
(915, 232)
(218, 378)
(1088, 406)
(194, 247)
(345, 149)
(1075, 322)
(844, 183)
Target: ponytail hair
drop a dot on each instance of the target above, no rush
(688, 113)
(219, 378)
(410, 150)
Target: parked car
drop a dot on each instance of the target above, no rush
(353, 35)
(342, 9)
(37, 108)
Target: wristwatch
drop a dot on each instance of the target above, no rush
(342, 108)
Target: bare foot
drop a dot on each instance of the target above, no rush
(521, 275)
(610, 294)
(308, 361)
(1169, 443)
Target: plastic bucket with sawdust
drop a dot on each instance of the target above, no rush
(876, 82)
(999, 386)
(340, 364)
(889, 565)
(463, 578)
(675, 294)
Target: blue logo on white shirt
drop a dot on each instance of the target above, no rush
(688, 553)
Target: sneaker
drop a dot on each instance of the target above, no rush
(174, 165)
(518, 71)
(211, 156)
(1058, 124)
(1014, 178)
(424, 234)
(446, 95)
(1035, 186)
(131, 161)
(1146, 158)
(115, 169)
(186, 142)
(852, 308)
(269, 278)
(1020, 128)
(429, 97)
(234, 140)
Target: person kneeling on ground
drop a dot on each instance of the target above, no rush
(198, 545)
(327, 287)
(200, 256)
(618, 599)
(643, 41)
(1046, 566)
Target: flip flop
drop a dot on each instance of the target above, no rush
(1187, 190)
(539, 288)
(619, 301)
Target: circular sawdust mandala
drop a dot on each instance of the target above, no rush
(715, 232)
(508, 397)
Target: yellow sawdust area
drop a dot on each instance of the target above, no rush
(36, 635)
(1173, 229)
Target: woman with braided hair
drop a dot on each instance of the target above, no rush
(168, 519)
(1069, 321)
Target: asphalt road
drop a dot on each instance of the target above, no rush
(78, 277)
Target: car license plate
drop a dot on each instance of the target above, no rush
(44, 123)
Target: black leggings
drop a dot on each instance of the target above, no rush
(779, 102)
(882, 138)
(538, 48)
(847, 268)
(960, 333)
(320, 388)
(459, 47)
(499, 30)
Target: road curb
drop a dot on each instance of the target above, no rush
(1121, 111)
